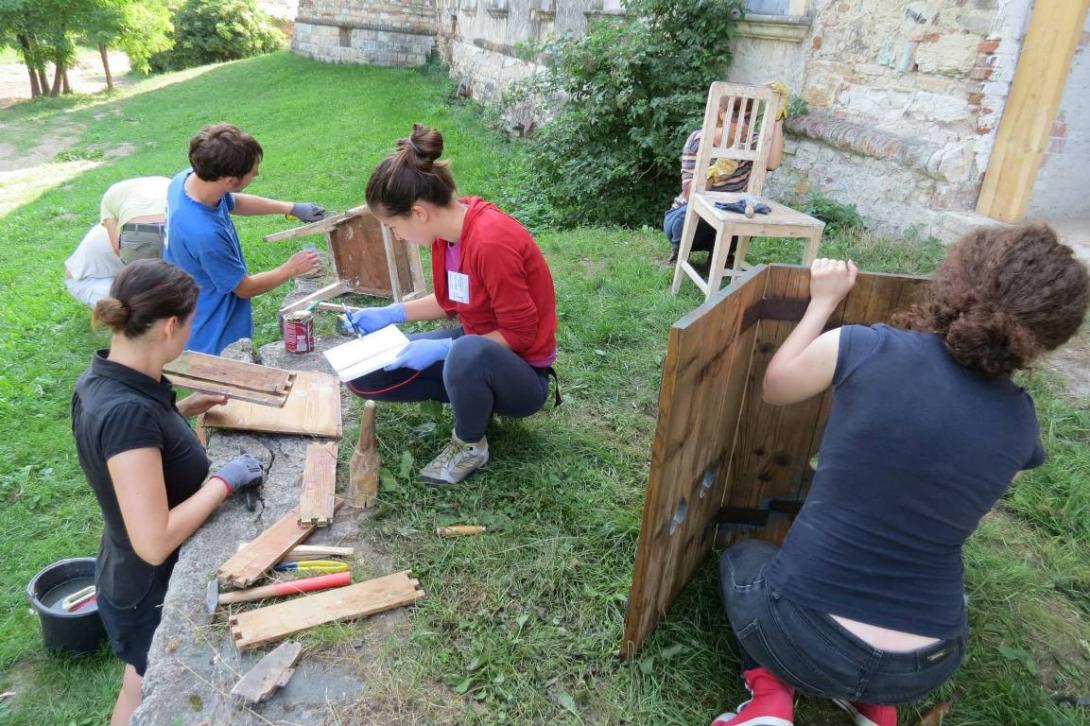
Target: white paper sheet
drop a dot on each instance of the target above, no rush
(367, 354)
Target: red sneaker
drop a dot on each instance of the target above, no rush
(868, 714)
(773, 702)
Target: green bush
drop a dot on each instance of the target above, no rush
(632, 91)
(212, 31)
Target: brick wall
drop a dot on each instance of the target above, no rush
(365, 31)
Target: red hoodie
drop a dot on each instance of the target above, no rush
(510, 286)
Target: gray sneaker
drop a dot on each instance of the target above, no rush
(455, 462)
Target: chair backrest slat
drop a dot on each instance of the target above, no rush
(756, 102)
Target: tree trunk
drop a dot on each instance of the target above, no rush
(64, 81)
(58, 73)
(43, 79)
(24, 44)
(106, 66)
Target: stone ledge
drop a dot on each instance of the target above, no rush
(403, 29)
(860, 139)
(786, 28)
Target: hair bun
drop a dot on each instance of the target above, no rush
(112, 312)
(423, 147)
(990, 340)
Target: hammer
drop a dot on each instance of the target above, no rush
(279, 589)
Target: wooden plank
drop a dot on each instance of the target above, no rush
(359, 254)
(333, 290)
(1030, 111)
(247, 395)
(703, 384)
(313, 408)
(234, 373)
(271, 623)
(256, 558)
(319, 481)
(271, 673)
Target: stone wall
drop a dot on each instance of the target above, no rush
(365, 31)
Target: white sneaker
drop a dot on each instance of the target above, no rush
(455, 462)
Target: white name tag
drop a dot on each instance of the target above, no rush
(458, 286)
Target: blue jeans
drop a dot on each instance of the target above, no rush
(478, 377)
(812, 652)
(674, 222)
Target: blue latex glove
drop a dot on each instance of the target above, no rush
(308, 211)
(419, 354)
(242, 472)
(368, 320)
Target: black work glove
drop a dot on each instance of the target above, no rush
(308, 211)
(240, 473)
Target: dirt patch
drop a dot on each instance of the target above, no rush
(86, 77)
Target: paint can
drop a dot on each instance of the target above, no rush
(299, 332)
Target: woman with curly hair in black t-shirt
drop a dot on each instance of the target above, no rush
(147, 468)
(865, 602)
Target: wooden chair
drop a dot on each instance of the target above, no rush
(761, 105)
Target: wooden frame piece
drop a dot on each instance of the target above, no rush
(316, 499)
(1034, 100)
(313, 408)
(366, 258)
(269, 624)
(720, 452)
(271, 673)
(250, 382)
(259, 556)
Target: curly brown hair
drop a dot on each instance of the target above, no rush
(1003, 296)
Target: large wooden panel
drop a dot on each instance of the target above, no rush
(359, 256)
(717, 444)
(313, 408)
(703, 387)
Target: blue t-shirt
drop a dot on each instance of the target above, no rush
(202, 241)
(917, 448)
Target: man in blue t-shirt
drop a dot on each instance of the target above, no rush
(201, 237)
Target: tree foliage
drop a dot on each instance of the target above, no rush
(211, 31)
(632, 90)
(141, 28)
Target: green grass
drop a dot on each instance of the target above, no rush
(522, 624)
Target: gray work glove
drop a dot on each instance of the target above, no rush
(308, 211)
(241, 473)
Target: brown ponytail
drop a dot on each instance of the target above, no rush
(410, 174)
(1002, 297)
(143, 292)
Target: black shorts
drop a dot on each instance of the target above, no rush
(130, 629)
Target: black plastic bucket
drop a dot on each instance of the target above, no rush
(64, 632)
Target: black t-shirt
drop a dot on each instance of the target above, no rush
(916, 450)
(117, 409)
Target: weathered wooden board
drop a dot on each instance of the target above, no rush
(235, 379)
(271, 623)
(718, 447)
(271, 672)
(316, 499)
(359, 256)
(313, 408)
(256, 558)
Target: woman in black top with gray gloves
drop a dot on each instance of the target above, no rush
(143, 461)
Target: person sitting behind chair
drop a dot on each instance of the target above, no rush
(724, 175)
(865, 602)
(489, 273)
(131, 215)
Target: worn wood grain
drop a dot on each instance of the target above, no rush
(259, 556)
(316, 498)
(313, 408)
(271, 623)
(271, 673)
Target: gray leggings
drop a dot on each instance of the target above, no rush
(479, 377)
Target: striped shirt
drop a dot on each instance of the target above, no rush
(735, 183)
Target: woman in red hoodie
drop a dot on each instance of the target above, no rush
(490, 275)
